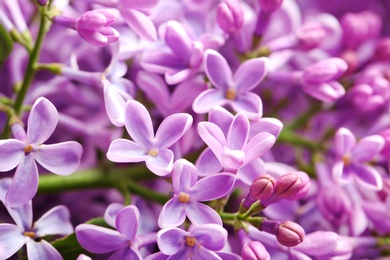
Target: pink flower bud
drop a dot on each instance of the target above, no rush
(270, 5)
(42, 2)
(290, 234)
(292, 185)
(311, 35)
(260, 189)
(382, 51)
(230, 16)
(254, 250)
(386, 136)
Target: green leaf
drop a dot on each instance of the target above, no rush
(6, 44)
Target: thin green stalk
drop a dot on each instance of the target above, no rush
(290, 137)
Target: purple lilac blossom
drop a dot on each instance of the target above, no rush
(28, 148)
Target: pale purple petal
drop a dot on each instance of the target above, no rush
(238, 132)
(178, 40)
(250, 104)
(184, 176)
(367, 148)
(115, 105)
(54, 222)
(11, 153)
(172, 214)
(217, 70)
(221, 117)
(99, 240)
(251, 171)
(11, 240)
(213, 136)
(211, 236)
(162, 164)
(203, 253)
(318, 243)
(62, 158)
(228, 255)
(154, 88)
(139, 124)
(126, 222)
(171, 240)
(174, 77)
(266, 124)
(207, 163)
(326, 92)
(367, 177)
(24, 185)
(22, 215)
(122, 150)
(199, 214)
(93, 37)
(143, 5)
(184, 253)
(250, 74)
(42, 121)
(344, 141)
(172, 129)
(207, 100)
(126, 253)
(160, 62)
(140, 23)
(232, 160)
(258, 145)
(111, 212)
(212, 187)
(337, 170)
(42, 250)
(156, 256)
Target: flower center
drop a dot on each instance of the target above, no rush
(230, 94)
(153, 152)
(28, 149)
(184, 197)
(346, 159)
(190, 241)
(29, 234)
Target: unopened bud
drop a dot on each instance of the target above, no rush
(42, 2)
(270, 5)
(290, 234)
(311, 35)
(230, 16)
(254, 250)
(292, 185)
(261, 188)
(382, 51)
(386, 136)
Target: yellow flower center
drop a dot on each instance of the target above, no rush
(29, 234)
(190, 241)
(153, 152)
(28, 149)
(346, 159)
(230, 94)
(184, 197)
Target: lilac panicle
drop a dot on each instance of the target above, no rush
(232, 90)
(153, 149)
(352, 159)
(188, 191)
(28, 148)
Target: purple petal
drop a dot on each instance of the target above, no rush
(111, 212)
(154, 87)
(184, 176)
(172, 214)
(126, 253)
(203, 253)
(115, 105)
(11, 153)
(143, 5)
(238, 132)
(174, 77)
(160, 62)
(24, 185)
(140, 23)
(211, 236)
(207, 100)
(11, 240)
(22, 215)
(162, 164)
(178, 40)
(93, 37)
(213, 187)
(326, 92)
(251, 171)
(91, 20)
(42, 121)
(207, 163)
(318, 243)
(266, 124)
(213, 136)
(42, 250)
(250, 104)
(222, 118)
(199, 214)
(62, 158)
(171, 240)
(367, 177)
(126, 222)
(139, 124)
(172, 129)
(250, 74)
(258, 145)
(232, 160)
(367, 148)
(217, 70)
(122, 150)
(99, 240)
(54, 222)
(337, 170)
(344, 141)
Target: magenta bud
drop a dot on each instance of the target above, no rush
(382, 50)
(262, 187)
(292, 185)
(311, 35)
(230, 16)
(42, 2)
(386, 136)
(290, 234)
(324, 71)
(254, 250)
(270, 5)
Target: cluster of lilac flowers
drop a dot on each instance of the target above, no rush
(195, 129)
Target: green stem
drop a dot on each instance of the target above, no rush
(290, 137)
(303, 119)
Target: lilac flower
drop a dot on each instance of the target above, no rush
(153, 149)
(200, 242)
(232, 90)
(12, 237)
(62, 158)
(188, 191)
(352, 159)
(122, 241)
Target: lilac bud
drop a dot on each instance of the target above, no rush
(254, 250)
(290, 234)
(42, 2)
(260, 189)
(270, 5)
(230, 16)
(352, 60)
(382, 51)
(292, 185)
(386, 136)
(311, 35)
(335, 206)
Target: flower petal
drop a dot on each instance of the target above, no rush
(174, 77)
(367, 177)
(11, 240)
(42, 121)
(211, 236)
(258, 145)
(184, 176)
(172, 129)
(213, 136)
(266, 124)
(367, 148)
(42, 250)
(251, 171)
(250, 104)
(217, 70)
(344, 141)
(203, 253)
(222, 118)
(54, 222)
(24, 185)
(140, 23)
(238, 132)
(213, 187)
(162, 164)
(250, 74)
(99, 240)
(207, 163)
(172, 214)
(199, 214)
(11, 153)
(178, 40)
(115, 105)
(126, 253)
(207, 100)
(318, 243)
(171, 240)
(127, 221)
(111, 212)
(122, 150)
(139, 124)
(62, 158)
